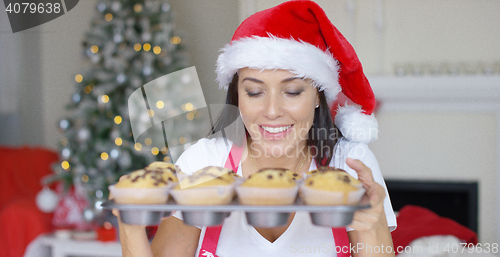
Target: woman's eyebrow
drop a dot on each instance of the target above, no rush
(260, 81)
(253, 80)
(291, 78)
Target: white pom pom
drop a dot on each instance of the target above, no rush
(355, 125)
(47, 200)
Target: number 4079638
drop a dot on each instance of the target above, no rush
(33, 8)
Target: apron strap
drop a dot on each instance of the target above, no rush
(341, 242)
(212, 234)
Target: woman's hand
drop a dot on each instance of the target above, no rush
(111, 197)
(133, 238)
(370, 225)
(368, 219)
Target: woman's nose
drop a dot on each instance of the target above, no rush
(274, 107)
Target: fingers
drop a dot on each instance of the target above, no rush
(114, 211)
(374, 191)
(364, 173)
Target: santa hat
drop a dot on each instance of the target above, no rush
(298, 36)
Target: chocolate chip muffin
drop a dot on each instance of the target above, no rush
(332, 179)
(268, 186)
(208, 176)
(145, 186)
(331, 186)
(211, 185)
(270, 178)
(168, 170)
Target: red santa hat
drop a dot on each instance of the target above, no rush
(298, 36)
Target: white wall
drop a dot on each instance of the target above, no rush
(443, 129)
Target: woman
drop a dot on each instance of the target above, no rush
(283, 69)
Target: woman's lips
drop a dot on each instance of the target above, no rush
(275, 132)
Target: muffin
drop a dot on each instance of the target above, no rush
(146, 186)
(294, 175)
(211, 185)
(331, 186)
(268, 186)
(169, 171)
(323, 169)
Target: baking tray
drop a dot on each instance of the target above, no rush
(257, 215)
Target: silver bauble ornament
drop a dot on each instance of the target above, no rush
(47, 200)
(83, 135)
(88, 215)
(76, 98)
(66, 153)
(64, 124)
(116, 6)
(101, 7)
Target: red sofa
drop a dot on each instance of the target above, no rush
(21, 171)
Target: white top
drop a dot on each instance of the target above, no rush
(301, 238)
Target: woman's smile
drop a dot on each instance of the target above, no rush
(276, 132)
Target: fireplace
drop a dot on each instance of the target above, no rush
(455, 200)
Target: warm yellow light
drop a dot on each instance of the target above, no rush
(148, 141)
(137, 7)
(138, 146)
(157, 50)
(160, 104)
(166, 159)
(85, 178)
(175, 40)
(190, 116)
(105, 98)
(147, 47)
(188, 107)
(118, 119)
(78, 78)
(94, 49)
(87, 89)
(108, 17)
(151, 113)
(164, 150)
(155, 151)
(182, 140)
(118, 141)
(137, 47)
(65, 165)
(104, 156)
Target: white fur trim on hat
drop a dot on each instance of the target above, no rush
(355, 125)
(271, 53)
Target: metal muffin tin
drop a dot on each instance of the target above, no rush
(257, 215)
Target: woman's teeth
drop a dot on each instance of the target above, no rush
(276, 129)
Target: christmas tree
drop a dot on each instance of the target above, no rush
(130, 43)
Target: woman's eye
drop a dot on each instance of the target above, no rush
(295, 93)
(251, 94)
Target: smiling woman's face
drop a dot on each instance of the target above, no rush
(277, 108)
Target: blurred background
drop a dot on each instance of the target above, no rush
(434, 66)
